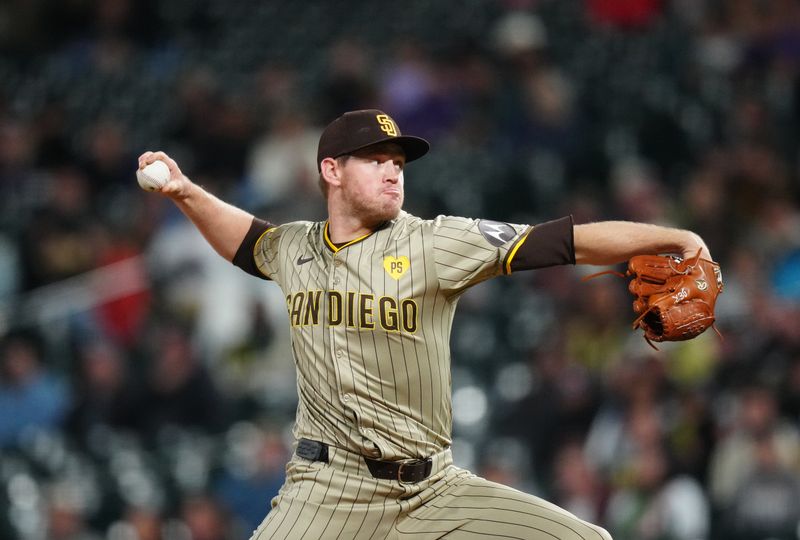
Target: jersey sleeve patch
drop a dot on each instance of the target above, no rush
(495, 232)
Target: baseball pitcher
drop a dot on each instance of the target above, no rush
(370, 295)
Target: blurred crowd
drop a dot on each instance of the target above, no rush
(146, 385)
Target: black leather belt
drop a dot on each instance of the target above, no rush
(406, 472)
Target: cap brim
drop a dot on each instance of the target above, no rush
(413, 147)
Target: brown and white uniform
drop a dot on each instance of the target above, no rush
(370, 323)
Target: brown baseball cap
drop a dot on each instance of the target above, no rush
(355, 130)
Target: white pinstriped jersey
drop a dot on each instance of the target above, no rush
(370, 323)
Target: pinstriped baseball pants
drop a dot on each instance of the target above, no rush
(341, 500)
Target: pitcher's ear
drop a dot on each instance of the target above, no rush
(330, 171)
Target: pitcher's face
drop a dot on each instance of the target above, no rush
(372, 183)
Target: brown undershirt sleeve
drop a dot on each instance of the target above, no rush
(547, 244)
(244, 255)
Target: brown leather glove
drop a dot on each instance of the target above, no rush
(674, 298)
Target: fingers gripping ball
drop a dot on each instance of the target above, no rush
(153, 176)
(674, 298)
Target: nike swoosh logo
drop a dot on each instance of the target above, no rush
(301, 260)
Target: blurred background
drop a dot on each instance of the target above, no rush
(146, 385)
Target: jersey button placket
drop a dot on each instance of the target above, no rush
(338, 341)
(335, 280)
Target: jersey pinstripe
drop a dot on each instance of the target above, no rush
(370, 324)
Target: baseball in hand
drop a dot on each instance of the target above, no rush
(153, 176)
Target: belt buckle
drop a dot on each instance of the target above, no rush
(400, 472)
(403, 464)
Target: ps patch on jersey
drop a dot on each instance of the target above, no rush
(396, 267)
(496, 232)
